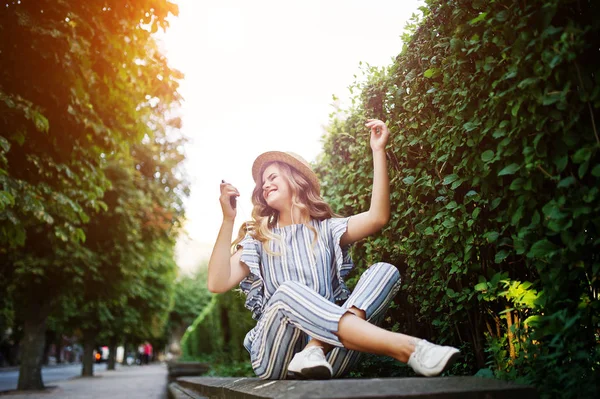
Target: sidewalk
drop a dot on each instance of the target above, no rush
(133, 382)
(46, 366)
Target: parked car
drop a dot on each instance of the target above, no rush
(101, 354)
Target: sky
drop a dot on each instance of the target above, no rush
(261, 76)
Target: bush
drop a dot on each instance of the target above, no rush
(217, 334)
(493, 156)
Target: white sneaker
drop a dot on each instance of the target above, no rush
(430, 360)
(310, 363)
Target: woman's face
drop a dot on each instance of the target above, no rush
(276, 188)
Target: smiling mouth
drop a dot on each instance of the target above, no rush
(269, 192)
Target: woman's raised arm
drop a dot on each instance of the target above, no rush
(224, 270)
(364, 224)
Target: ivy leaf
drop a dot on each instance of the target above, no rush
(478, 18)
(481, 286)
(509, 170)
(431, 72)
(566, 182)
(487, 156)
(500, 256)
(491, 236)
(456, 184)
(583, 169)
(408, 180)
(519, 245)
(4, 144)
(561, 162)
(541, 249)
(450, 179)
(532, 321)
(527, 82)
(582, 155)
(515, 109)
(502, 16)
(448, 223)
(550, 98)
(452, 205)
(517, 215)
(517, 184)
(470, 126)
(495, 203)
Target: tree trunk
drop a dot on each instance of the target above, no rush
(510, 335)
(124, 362)
(112, 354)
(32, 347)
(89, 340)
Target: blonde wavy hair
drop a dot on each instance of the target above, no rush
(304, 197)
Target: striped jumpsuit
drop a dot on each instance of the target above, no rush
(294, 295)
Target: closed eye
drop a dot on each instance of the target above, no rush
(271, 177)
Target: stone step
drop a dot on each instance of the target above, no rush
(175, 391)
(421, 388)
(186, 369)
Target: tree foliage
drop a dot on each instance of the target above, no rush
(495, 176)
(191, 296)
(90, 190)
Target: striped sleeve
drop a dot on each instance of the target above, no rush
(252, 285)
(343, 260)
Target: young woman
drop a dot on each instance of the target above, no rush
(291, 265)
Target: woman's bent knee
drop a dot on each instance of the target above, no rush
(387, 268)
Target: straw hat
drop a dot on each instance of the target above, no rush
(290, 158)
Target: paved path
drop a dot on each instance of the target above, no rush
(50, 374)
(133, 382)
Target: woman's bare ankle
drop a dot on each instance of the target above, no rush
(406, 346)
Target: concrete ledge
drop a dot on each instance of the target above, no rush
(186, 369)
(421, 388)
(175, 391)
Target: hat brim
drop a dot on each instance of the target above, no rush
(278, 156)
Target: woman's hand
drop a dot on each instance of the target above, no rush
(227, 191)
(379, 134)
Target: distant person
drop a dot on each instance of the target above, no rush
(141, 354)
(291, 264)
(147, 352)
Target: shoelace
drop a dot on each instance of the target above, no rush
(423, 348)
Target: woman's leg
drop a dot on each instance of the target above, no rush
(274, 345)
(360, 335)
(423, 357)
(370, 299)
(303, 308)
(294, 312)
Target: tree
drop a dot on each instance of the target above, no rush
(79, 83)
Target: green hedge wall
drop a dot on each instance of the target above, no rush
(218, 332)
(495, 177)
